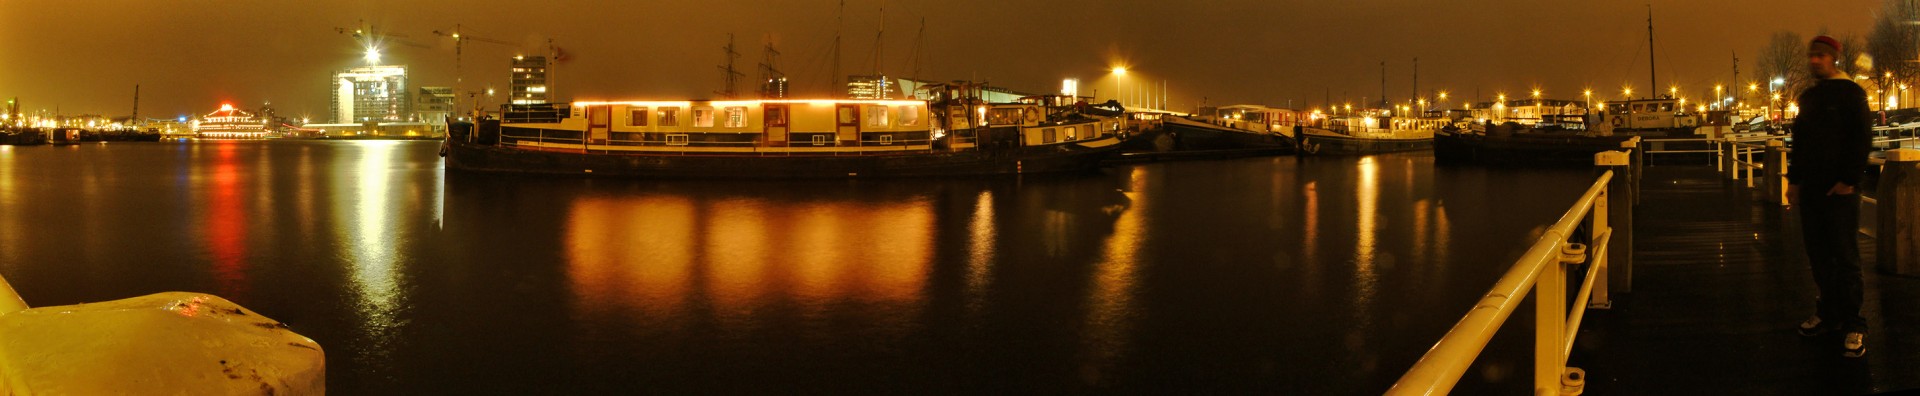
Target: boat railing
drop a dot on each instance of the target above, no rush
(1580, 237)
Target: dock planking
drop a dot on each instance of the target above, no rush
(1720, 280)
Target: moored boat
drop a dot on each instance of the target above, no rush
(1368, 134)
(952, 133)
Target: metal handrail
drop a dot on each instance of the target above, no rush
(1538, 269)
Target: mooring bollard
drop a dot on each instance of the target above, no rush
(1897, 244)
(1775, 172)
(1620, 199)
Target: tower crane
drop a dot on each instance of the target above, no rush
(459, 44)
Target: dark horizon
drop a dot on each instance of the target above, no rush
(85, 58)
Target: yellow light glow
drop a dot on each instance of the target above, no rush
(1120, 70)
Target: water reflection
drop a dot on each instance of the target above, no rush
(227, 222)
(1365, 250)
(981, 234)
(365, 230)
(670, 257)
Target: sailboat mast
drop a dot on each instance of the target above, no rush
(1651, 74)
(833, 80)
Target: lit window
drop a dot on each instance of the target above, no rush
(877, 116)
(736, 117)
(909, 115)
(638, 117)
(1071, 132)
(669, 116)
(702, 117)
(777, 116)
(849, 116)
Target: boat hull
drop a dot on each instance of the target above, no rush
(1195, 135)
(480, 156)
(1343, 145)
(1522, 148)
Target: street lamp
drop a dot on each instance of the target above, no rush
(1119, 73)
(373, 56)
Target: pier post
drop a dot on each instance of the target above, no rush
(1620, 197)
(1775, 172)
(1897, 243)
(1729, 158)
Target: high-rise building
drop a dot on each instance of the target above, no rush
(529, 81)
(371, 93)
(433, 104)
(871, 87)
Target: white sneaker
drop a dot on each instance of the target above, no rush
(1811, 327)
(1856, 345)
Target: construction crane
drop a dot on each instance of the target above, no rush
(460, 41)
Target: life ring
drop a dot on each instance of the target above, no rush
(1616, 122)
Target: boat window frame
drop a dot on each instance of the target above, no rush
(877, 116)
(910, 115)
(677, 139)
(736, 116)
(1047, 136)
(1072, 132)
(669, 116)
(637, 116)
(776, 116)
(707, 121)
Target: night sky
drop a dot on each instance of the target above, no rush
(189, 56)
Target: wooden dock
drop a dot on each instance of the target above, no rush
(1720, 281)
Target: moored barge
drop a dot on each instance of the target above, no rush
(952, 133)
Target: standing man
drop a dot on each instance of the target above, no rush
(1832, 137)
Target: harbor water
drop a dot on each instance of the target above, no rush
(1314, 275)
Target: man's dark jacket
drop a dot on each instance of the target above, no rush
(1831, 137)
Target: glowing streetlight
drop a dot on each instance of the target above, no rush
(373, 56)
(1119, 74)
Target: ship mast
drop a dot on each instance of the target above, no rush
(1651, 75)
(731, 76)
(833, 80)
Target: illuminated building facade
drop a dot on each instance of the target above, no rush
(528, 84)
(371, 93)
(871, 87)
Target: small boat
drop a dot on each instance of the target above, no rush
(1664, 117)
(1368, 134)
(951, 133)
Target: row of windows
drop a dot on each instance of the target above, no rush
(880, 115)
(736, 116)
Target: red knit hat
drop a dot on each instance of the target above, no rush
(1829, 41)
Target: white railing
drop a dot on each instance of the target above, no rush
(1544, 269)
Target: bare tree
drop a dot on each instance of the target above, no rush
(1783, 59)
(1894, 42)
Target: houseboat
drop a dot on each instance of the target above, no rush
(1368, 133)
(953, 132)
